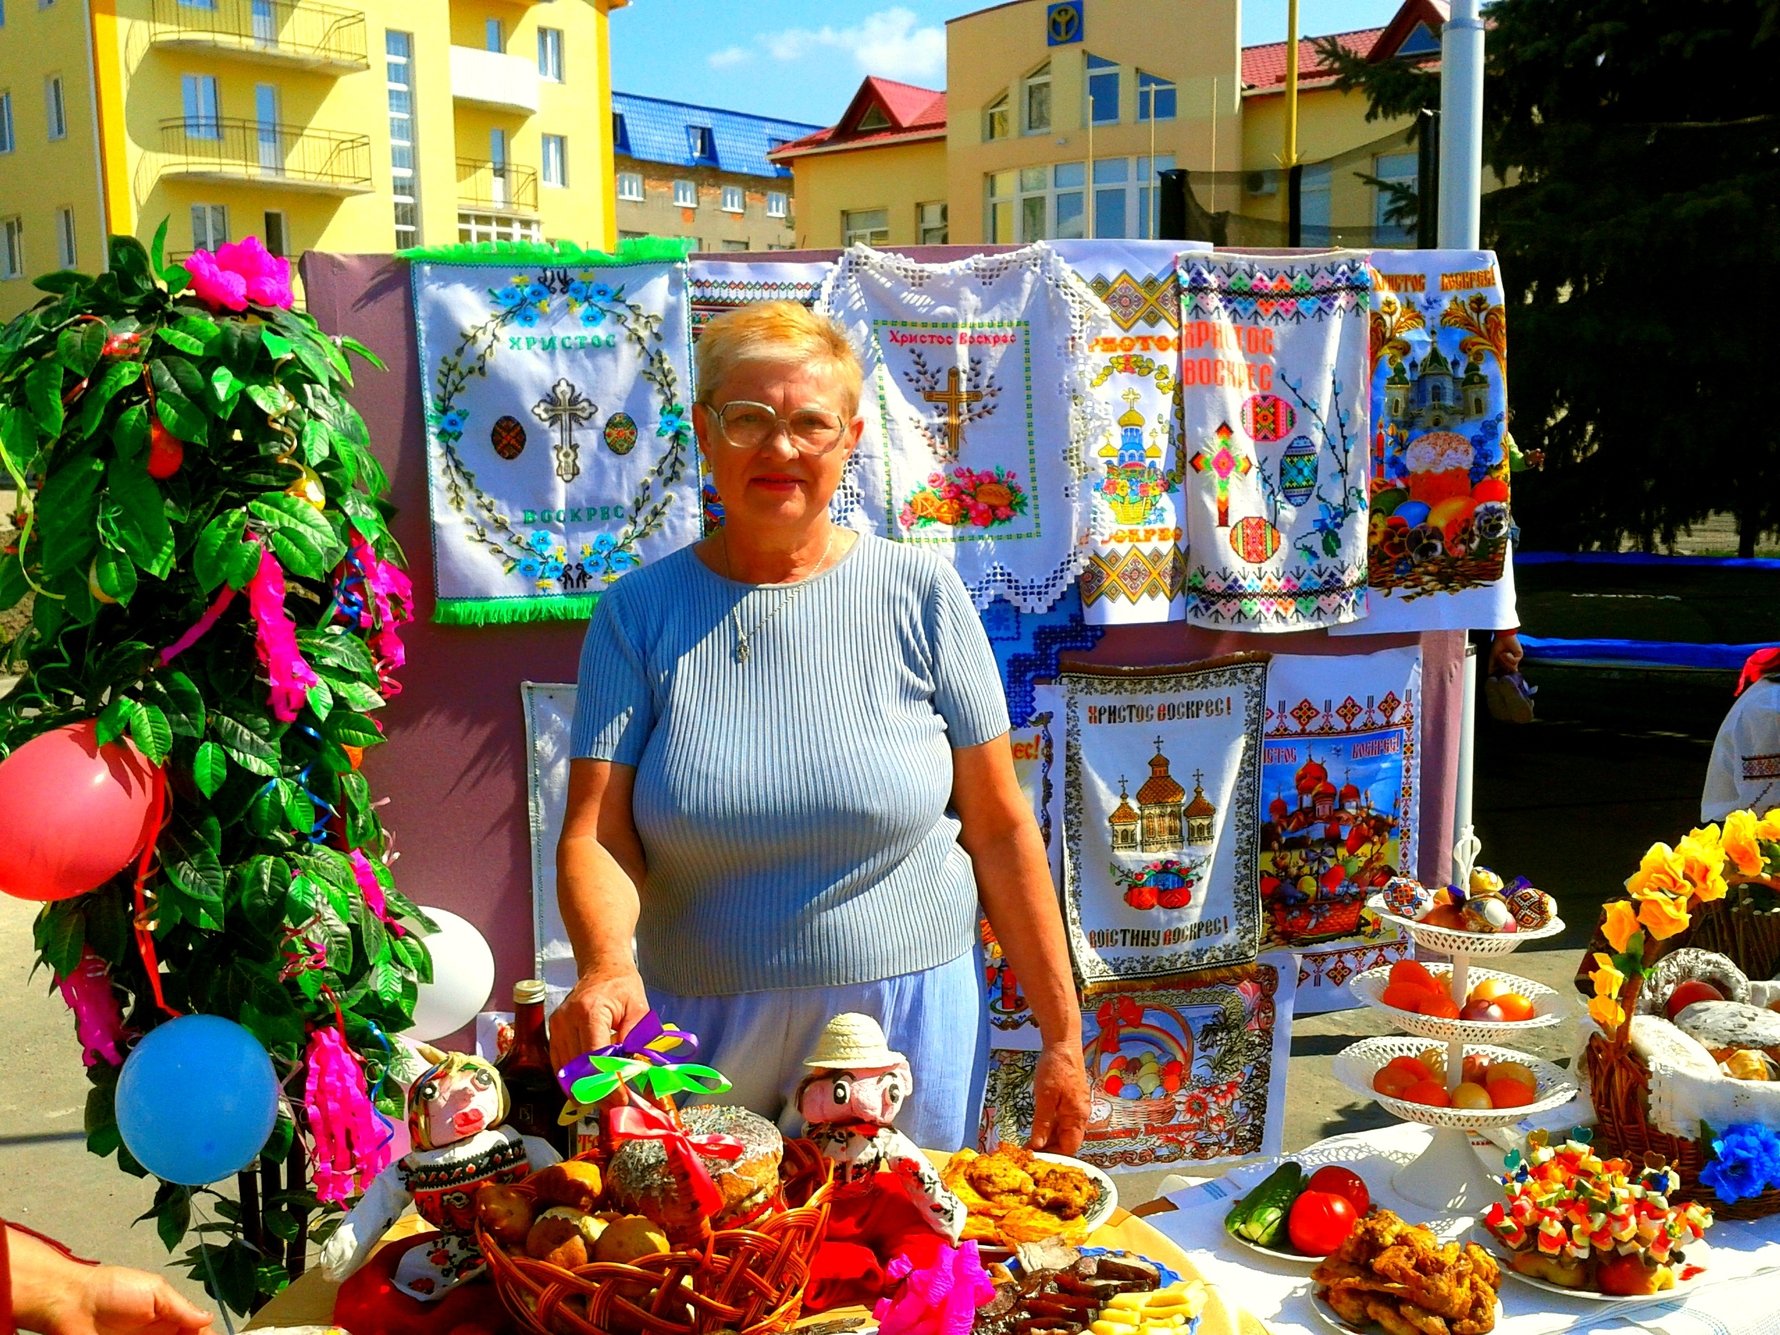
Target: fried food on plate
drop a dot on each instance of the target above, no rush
(1402, 1278)
(1012, 1196)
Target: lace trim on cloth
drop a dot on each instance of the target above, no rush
(978, 411)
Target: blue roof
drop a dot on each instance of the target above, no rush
(656, 130)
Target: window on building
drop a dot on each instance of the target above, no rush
(6, 121)
(1393, 220)
(65, 238)
(404, 181)
(702, 143)
(778, 204)
(494, 35)
(1035, 101)
(275, 232)
(630, 186)
(732, 199)
(631, 236)
(1103, 91)
(735, 245)
(550, 53)
(930, 223)
(12, 247)
(686, 194)
(995, 122)
(210, 226)
(1155, 97)
(494, 227)
(55, 107)
(197, 4)
(199, 94)
(2, 13)
(1037, 203)
(1313, 205)
(556, 160)
(874, 119)
(1112, 197)
(870, 227)
(1149, 198)
(1000, 229)
(620, 135)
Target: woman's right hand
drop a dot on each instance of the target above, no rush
(599, 1010)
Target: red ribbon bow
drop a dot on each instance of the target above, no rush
(643, 1121)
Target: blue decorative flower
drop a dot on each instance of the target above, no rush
(529, 568)
(673, 421)
(552, 569)
(509, 296)
(591, 315)
(527, 315)
(540, 541)
(606, 558)
(600, 292)
(452, 423)
(536, 291)
(1745, 1162)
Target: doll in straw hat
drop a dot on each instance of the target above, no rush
(848, 1101)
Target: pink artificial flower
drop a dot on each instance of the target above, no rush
(98, 1019)
(240, 272)
(372, 889)
(290, 677)
(352, 1138)
(387, 604)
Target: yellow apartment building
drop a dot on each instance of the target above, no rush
(347, 127)
(1056, 119)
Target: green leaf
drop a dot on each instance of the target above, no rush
(115, 574)
(216, 542)
(129, 261)
(349, 729)
(284, 1135)
(320, 700)
(148, 726)
(304, 541)
(180, 699)
(262, 884)
(80, 346)
(62, 280)
(338, 649)
(225, 388)
(180, 374)
(352, 345)
(43, 393)
(299, 811)
(182, 417)
(142, 526)
(172, 1213)
(269, 399)
(201, 327)
(59, 933)
(157, 256)
(114, 719)
(271, 1016)
(352, 692)
(68, 515)
(210, 768)
(316, 440)
(130, 432)
(276, 344)
(198, 872)
(248, 742)
(243, 562)
(100, 392)
(184, 342)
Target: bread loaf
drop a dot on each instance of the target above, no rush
(1725, 1026)
(1655, 1039)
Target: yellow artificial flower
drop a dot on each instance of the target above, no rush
(1608, 1013)
(1663, 915)
(1620, 923)
(1659, 873)
(1741, 842)
(1607, 977)
(1768, 827)
(1701, 855)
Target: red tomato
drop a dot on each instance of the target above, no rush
(1320, 1222)
(1339, 1181)
(1623, 1274)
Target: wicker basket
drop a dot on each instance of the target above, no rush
(1735, 927)
(744, 1280)
(1619, 1083)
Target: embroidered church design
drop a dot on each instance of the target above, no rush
(1160, 804)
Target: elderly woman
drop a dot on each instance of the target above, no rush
(792, 782)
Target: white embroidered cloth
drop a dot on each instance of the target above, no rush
(977, 412)
(1273, 381)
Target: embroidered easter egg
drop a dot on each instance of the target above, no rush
(621, 433)
(1532, 908)
(1488, 913)
(1297, 470)
(1267, 417)
(1407, 897)
(507, 435)
(1254, 539)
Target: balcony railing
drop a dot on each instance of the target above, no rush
(491, 187)
(283, 31)
(293, 157)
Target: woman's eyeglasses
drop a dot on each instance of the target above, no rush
(748, 425)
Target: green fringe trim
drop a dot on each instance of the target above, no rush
(632, 250)
(510, 611)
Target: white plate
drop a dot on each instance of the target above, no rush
(1326, 1315)
(1106, 1199)
(1291, 1258)
(1493, 1245)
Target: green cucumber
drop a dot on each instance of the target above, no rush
(1260, 1216)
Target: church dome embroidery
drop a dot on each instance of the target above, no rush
(1159, 803)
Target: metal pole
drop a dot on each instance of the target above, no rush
(1461, 127)
(1291, 159)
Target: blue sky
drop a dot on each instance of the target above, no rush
(803, 59)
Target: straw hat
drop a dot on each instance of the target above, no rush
(852, 1042)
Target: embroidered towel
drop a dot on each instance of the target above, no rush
(559, 446)
(1273, 381)
(977, 410)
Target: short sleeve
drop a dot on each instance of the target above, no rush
(614, 704)
(967, 684)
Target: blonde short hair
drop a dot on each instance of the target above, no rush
(780, 333)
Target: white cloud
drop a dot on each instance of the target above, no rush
(729, 55)
(889, 43)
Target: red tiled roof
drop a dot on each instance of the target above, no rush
(1265, 66)
(915, 114)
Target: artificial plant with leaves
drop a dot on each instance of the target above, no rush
(176, 441)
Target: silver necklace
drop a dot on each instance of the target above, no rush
(742, 637)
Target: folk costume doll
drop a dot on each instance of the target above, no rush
(456, 1108)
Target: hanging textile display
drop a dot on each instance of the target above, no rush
(1137, 560)
(715, 286)
(1341, 799)
(1273, 385)
(1183, 1069)
(1028, 644)
(560, 451)
(1158, 878)
(976, 411)
(549, 713)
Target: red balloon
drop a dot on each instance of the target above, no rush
(72, 813)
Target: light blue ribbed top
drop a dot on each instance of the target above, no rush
(793, 808)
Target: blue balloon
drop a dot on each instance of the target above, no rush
(1412, 513)
(197, 1099)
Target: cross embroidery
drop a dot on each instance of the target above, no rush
(955, 399)
(1223, 463)
(565, 408)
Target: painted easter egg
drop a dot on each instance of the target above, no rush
(1412, 513)
(507, 435)
(1488, 913)
(1532, 908)
(1297, 470)
(1254, 539)
(1407, 897)
(1267, 417)
(621, 433)
(1490, 489)
(1386, 500)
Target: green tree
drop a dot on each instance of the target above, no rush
(1639, 238)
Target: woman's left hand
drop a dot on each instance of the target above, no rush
(1059, 1099)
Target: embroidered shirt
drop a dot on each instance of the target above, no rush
(1744, 772)
(793, 807)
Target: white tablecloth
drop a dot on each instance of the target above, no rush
(1738, 1295)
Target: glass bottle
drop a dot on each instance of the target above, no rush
(533, 1096)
